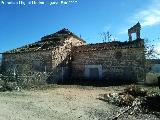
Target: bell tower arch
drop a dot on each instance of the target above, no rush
(135, 29)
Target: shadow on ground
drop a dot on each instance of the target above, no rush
(96, 83)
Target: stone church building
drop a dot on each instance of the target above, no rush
(65, 57)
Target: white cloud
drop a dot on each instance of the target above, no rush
(149, 16)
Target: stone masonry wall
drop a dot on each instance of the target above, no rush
(29, 68)
(114, 62)
(61, 58)
(38, 67)
(119, 63)
(61, 54)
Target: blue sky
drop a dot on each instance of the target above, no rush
(24, 24)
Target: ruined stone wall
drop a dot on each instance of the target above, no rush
(113, 61)
(61, 58)
(122, 62)
(38, 67)
(61, 54)
(27, 68)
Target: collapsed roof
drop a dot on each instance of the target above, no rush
(47, 42)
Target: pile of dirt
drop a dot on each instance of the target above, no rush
(135, 98)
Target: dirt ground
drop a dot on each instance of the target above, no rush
(62, 103)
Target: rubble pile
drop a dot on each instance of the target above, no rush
(151, 104)
(136, 98)
(127, 97)
(135, 91)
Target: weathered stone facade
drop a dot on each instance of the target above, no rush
(27, 66)
(42, 61)
(63, 56)
(110, 62)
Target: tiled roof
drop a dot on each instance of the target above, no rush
(47, 42)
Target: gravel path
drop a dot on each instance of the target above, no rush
(61, 103)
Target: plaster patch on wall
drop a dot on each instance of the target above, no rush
(88, 68)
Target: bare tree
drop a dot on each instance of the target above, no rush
(150, 51)
(106, 36)
(150, 54)
(0, 63)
